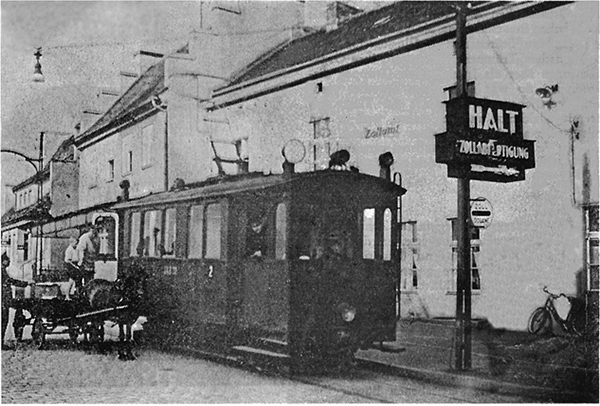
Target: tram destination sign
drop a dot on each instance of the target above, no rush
(487, 134)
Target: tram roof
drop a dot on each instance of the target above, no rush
(232, 185)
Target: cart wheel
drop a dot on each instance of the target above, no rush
(97, 332)
(38, 333)
(74, 334)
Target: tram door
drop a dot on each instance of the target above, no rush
(208, 295)
(261, 277)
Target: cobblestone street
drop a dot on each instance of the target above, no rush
(64, 374)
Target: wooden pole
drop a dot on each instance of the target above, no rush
(463, 280)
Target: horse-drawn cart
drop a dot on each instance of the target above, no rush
(84, 314)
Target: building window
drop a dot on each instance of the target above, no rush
(321, 143)
(410, 256)
(591, 242)
(130, 161)
(111, 170)
(26, 246)
(127, 148)
(148, 145)
(475, 250)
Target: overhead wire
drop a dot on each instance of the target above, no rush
(518, 86)
(163, 39)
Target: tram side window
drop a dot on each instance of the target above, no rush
(134, 234)
(205, 231)
(151, 241)
(387, 235)
(369, 233)
(213, 231)
(195, 232)
(281, 231)
(170, 233)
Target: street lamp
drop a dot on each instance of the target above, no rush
(38, 76)
(38, 164)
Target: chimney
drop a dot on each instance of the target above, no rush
(107, 97)
(320, 15)
(127, 79)
(145, 59)
(325, 15)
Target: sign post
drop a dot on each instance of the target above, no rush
(463, 282)
(483, 141)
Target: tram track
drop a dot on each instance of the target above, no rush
(369, 380)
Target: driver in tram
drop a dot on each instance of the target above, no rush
(255, 238)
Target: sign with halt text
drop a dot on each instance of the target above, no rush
(488, 135)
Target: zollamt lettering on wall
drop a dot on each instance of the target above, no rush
(382, 131)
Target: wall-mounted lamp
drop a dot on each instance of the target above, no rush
(38, 76)
(546, 93)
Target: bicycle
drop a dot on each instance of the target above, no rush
(541, 320)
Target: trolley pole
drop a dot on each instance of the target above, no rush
(463, 280)
(40, 247)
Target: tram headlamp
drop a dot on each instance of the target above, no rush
(347, 312)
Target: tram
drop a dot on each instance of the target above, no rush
(302, 264)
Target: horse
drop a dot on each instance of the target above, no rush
(127, 291)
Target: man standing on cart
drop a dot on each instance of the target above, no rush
(72, 267)
(7, 283)
(86, 249)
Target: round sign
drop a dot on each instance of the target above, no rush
(481, 212)
(294, 151)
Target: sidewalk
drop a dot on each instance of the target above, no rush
(547, 369)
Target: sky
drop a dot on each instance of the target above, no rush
(85, 44)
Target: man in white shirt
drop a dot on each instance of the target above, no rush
(86, 249)
(72, 267)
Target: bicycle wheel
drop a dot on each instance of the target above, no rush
(539, 322)
(576, 322)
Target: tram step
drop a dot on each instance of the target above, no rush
(272, 344)
(260, 352)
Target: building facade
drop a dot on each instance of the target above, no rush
(257, 75)
(395, 104)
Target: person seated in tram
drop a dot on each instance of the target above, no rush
(255, 238)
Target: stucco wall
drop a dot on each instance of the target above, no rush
(95, 185)
(536, 235)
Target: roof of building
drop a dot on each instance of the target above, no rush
(38, 212)
(148, 84)
(395, 19)
(64, 153)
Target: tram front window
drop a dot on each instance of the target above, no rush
(321, 233)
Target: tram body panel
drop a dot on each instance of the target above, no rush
(212, 286)
(265, 305)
